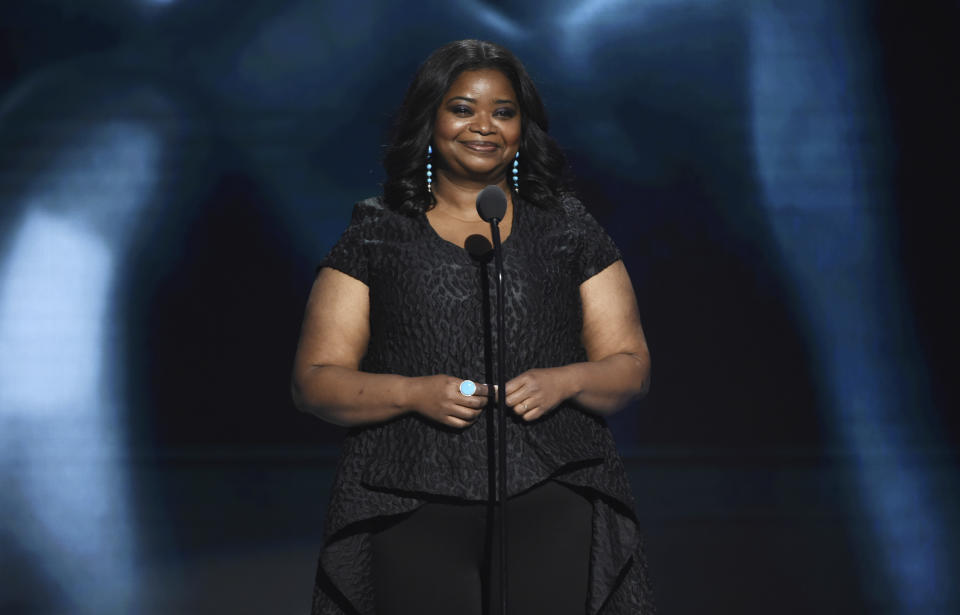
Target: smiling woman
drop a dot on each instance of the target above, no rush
(395, 324)
(477, 129)
(476, 139)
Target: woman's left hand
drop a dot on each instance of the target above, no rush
(536, 392)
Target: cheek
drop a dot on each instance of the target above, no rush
(514, 134)
(448, 128)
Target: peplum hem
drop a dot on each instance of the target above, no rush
(618, 581)
(368, 494)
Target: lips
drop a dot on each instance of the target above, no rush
(481, 146)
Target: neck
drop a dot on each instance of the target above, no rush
(460, 196)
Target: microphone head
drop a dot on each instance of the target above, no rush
(479, 248)
(492, 204)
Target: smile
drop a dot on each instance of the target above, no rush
(481, 146)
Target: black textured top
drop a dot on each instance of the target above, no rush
(428, 302)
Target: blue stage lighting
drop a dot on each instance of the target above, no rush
(61, 413)
(812, 110)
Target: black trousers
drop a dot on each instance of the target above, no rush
(442, 558)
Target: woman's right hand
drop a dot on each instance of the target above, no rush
(439, 399)
(327, 380)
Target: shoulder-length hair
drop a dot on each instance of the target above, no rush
(543, 166)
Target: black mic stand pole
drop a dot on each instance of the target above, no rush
(492, 207)
(502, 413)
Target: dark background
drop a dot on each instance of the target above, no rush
(779, 177)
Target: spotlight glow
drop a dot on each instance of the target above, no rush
(61, 429)
(808, 110)
(501, 24)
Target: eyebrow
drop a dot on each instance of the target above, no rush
(499, 101)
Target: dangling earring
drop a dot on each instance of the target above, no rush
(430, 168)
(516, 173)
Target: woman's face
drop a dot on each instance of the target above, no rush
(477, 129)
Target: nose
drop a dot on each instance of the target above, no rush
(482, 124)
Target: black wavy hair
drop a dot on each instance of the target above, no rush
(544, 177)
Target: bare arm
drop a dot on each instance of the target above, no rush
(618, 366)
(326, 378)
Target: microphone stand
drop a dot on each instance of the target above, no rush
(492, 207)
(481, 251)
(502, 415)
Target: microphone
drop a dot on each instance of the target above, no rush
(492, 207)
(492, 204)
(479, 248)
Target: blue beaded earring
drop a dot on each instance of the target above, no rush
(429, 168)
(516, 173)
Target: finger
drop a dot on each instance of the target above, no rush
(483, 390)
(515, 384)
(473, 402)
(533, 414)
(518, 396)
(464, 412)
(453, 421)
(523, 407)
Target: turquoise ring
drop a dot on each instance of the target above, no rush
(468, 387)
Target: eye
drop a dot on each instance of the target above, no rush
(460, 110)
(506, 112)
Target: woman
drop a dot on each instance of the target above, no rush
(395, 325)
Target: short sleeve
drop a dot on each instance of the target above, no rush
(594, 249)
(349, 254)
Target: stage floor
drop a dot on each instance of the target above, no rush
(237, 531)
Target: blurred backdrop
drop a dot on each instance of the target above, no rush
(778, 175)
